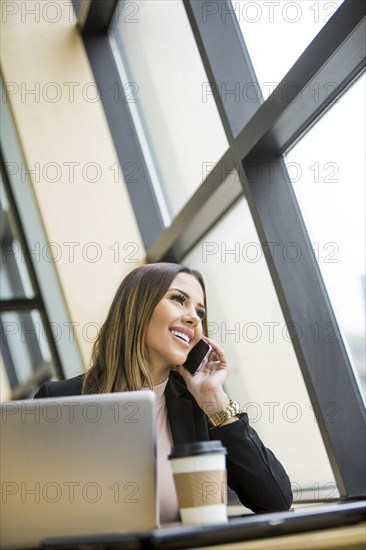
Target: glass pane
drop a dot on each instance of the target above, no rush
(165, 84)
(327, 169)
(26, 342)
(277, 33)
(246, 319)
(14, 278)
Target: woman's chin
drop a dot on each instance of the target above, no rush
(181, 359)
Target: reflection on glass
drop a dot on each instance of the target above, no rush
(277, 33)
(327, 169)
(245, 318)
(168, 93)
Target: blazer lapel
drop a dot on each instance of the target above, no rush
(180, 412)
(187, 422)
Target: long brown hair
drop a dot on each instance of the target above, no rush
(119, 359)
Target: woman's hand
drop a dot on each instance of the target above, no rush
(206, 385)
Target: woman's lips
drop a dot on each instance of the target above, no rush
(180, 340)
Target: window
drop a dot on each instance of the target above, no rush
(327, 170)
(14, 278)
(168, 93)
(245, 318)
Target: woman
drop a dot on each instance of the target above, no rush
(157, 316)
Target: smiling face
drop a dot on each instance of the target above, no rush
(175, 326)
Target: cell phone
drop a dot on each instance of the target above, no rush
(197, 357)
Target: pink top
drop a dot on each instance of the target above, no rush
(168, 503)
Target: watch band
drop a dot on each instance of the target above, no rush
(233, 409)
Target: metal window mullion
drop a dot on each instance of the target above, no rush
(20, 304)
(123, 132)
(95, 16)
(226, 61)
(15, 279)
(29, 332)
(7, 358)
(189, 226)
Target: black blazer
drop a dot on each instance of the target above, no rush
(254, 473)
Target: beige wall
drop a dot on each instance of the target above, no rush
(60, 123)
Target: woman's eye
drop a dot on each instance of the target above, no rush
(201, 314)
(182, 299)
(179, 298)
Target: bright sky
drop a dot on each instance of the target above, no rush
(277, 32)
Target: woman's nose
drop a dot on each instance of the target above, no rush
(191, 317)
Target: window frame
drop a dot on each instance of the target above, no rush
(47, 296)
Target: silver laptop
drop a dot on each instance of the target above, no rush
(77, 465)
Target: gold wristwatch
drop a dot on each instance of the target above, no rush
(219, 418)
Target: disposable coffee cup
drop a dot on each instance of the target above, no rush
(199, 471)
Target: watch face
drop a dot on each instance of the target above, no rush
(231, 410)
(219, 418)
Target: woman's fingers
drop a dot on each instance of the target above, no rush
(219, 352)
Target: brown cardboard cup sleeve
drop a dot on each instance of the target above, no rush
(200, 488)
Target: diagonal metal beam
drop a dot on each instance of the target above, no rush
(325, 69)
